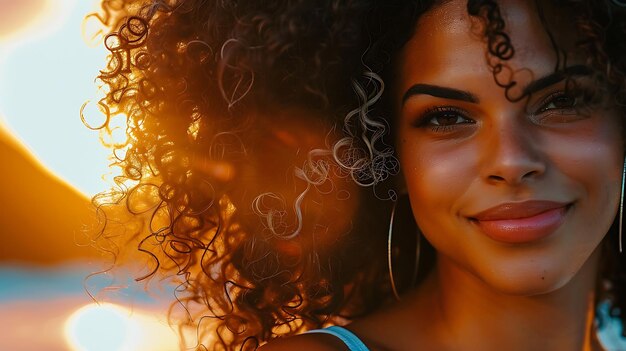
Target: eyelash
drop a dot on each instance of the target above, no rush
(438, 111)
(550, 99)
(427, 117)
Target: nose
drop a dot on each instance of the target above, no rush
(511, 154)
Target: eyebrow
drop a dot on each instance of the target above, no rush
(544, 82)
(532, 87)
(441, 92)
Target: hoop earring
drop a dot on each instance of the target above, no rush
(394, 289)
(621, 207)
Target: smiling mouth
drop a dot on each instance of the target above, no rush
(522, 223)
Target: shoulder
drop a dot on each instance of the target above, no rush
(305, 342)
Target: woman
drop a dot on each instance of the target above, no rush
(512, 152)
(506, 122)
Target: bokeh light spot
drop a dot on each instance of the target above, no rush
(96, 327)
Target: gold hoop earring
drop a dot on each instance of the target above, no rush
(621, 207)
(392, 280)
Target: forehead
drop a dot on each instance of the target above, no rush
(448, 44)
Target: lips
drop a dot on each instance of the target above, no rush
(521, 222)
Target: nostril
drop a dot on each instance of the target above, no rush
(513, 176)
(496, 178)
(530, 174)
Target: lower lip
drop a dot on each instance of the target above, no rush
(523, 230)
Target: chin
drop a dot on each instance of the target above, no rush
(530, 278)
(529, 286)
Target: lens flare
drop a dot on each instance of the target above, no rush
(108, 327)
(98, 327)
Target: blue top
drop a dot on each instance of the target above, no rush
(352, 341)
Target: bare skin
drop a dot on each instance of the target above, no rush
(485, 294)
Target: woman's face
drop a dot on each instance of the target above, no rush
(518, 194)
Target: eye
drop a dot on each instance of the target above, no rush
(443, 118)
(561, 107)
(558, 101)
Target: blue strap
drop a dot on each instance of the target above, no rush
(352, 341)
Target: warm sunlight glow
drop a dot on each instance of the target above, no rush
(108, 327)
(19, 20)
(93, 327)
(49, 58)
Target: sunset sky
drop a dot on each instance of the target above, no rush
(48, 63)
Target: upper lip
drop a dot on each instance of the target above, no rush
(515, 210)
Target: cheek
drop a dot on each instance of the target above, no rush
(593, 157)
(436, 175)
(591, 162)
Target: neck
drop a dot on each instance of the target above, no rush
(472, 314)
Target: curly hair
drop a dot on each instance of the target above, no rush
(200, 86)
(198, 83)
